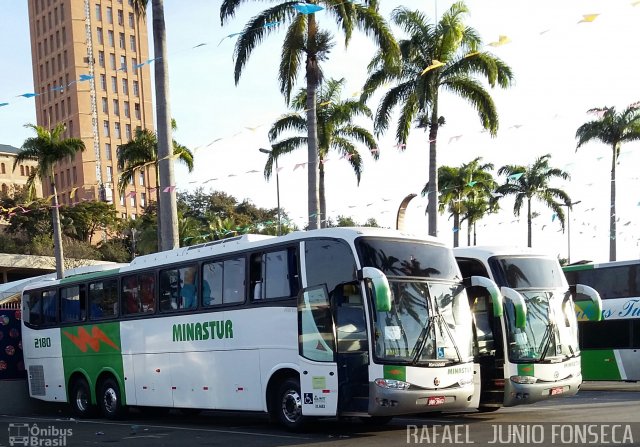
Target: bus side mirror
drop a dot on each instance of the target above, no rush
(589, 309)
(519, 305)
(491, 287)
(381, 289)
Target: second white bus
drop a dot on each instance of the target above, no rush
(529, 352)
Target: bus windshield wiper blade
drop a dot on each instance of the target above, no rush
(549, 333)
(422, 340)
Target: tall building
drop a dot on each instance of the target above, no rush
(89, 72)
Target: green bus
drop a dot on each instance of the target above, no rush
(610, 348)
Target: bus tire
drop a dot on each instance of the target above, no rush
(80, 398)
(110, 400)
(287, 405)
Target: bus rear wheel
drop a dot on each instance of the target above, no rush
(80, 398)
(287, 405)
(110, 401)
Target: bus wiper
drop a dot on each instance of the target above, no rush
(546, 338)
(422, 340)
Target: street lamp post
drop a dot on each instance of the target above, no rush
(569, 205)
(268, 151)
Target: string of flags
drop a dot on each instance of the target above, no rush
(301, 8)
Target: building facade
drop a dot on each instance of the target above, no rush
(12, 180)
(90, 73)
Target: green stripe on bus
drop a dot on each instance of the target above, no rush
(89, 276)
(395, 372)
(92, 349)
(573, 268)
(599, 364)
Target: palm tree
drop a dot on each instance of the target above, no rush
(335, 131)
(167, 207)
(304, 38)
(529, 182)
(49, 147)
(447, 57)
(613, 129)
(460, 187)
(141, 152)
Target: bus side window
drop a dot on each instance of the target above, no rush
(33, 308)
(72, 304)
(147, 285)
(256, 276)
(130, 299)
(49, 307)
(212, 283)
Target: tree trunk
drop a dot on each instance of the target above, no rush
(312, 131)
(612, 213)
(323, 199)
(432, 195)
(456, 229)
(529, 222)
(57, 233)
(469, 233)
(475, 240)
(167, 208)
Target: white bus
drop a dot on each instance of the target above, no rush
(335, 322)
(524, 360)
(610, 348)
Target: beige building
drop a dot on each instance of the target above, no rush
(10, 179)
(90, 73)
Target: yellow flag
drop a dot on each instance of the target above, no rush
(587, 18)
(434, 64)
(502, 40)
(72, 194)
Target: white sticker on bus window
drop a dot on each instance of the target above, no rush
(392, 332)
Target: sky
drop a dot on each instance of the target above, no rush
(564, 65)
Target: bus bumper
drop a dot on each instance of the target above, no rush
(521, 394)
(390, 402)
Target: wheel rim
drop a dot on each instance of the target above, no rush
(110, 400)
(291, 406)
(82, 399)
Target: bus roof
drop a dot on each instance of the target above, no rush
(238, 244)
(486, 251)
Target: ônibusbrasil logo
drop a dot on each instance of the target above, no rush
(33, 435)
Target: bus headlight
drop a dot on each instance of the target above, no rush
(524, 379)
(392, 384)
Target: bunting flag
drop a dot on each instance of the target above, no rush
(472, 184)
(434, 64)
(516, 176)
(307, 8)
(169, 189)
(588, 18)
(502, 40)
(72, 194)
(299, 165)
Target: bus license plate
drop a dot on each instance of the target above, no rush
(435, 400)
(557, 390)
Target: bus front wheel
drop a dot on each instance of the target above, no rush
(110, 400)
(80, 398)
(287, 405)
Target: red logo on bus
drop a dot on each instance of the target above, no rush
(84, 339)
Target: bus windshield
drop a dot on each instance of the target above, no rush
(429, 322)
(550, 331)
(519, 272)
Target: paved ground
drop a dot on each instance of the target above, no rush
(610, 386)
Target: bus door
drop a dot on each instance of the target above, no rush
(317, 359)
(352, 348)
